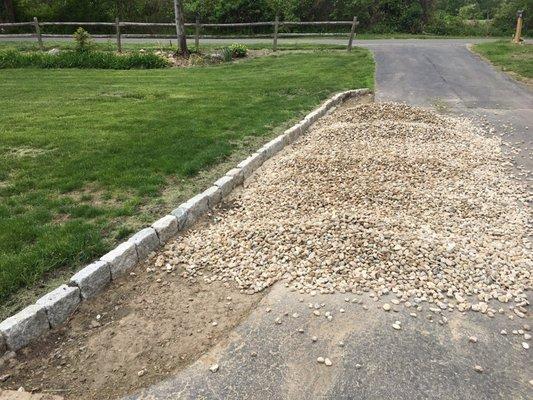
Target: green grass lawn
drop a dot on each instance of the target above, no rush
(89, 156)
(510, 57)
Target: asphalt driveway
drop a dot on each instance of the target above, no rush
(261, 360)
(449, 77)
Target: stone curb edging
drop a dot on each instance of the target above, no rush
(54, 308)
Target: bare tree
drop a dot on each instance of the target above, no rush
(180, 29)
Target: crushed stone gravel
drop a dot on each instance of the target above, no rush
(379, 197)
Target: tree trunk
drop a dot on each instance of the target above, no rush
(180, 29)
(10, 10)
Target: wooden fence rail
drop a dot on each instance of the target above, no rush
(197, 25)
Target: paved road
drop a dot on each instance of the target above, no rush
(453, 79)
(323, 40)
(424, 361)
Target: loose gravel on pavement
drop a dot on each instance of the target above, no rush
(381, 198)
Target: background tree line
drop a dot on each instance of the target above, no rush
(453, 17)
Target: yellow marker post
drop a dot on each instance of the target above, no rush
(519, 22)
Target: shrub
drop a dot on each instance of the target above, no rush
(504, 22)
(238, 50)
(446, 24)
(82, 40)
(81, 59)
(227, 54)
(234, 51)
(470, 11)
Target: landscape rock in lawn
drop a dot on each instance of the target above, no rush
(60, 304)
(54, 308)
(166, 228)
(226, 185)
(146, 241)
(92, 279)
(25, 326)
(237, 175)
(121, 259)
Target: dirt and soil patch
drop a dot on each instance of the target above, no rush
(145, 327)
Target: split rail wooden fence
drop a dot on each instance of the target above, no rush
(197, 28)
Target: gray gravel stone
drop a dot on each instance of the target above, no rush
(166, 228)
(214, 195)
(60, 304)
(146, 241)
(25, 326)
(121, 259)
(92, 279)
(226, 185)
(237, 175)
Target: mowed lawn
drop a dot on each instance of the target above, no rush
(509, 56)
(85, 155)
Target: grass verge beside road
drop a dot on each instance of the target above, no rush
(510, 57)
(89, 156)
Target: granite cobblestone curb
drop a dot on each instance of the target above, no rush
(92, 279)
(60, 303)
(165, 228)
(54, 308)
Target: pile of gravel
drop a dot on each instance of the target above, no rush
(377, 197)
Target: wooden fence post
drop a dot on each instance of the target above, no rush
(197, 33)
(276, 27)
(180, 29)
(38, 33)
(352, 34)
(119, 39)
(519, 22)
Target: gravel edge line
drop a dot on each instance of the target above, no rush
(55, 307)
